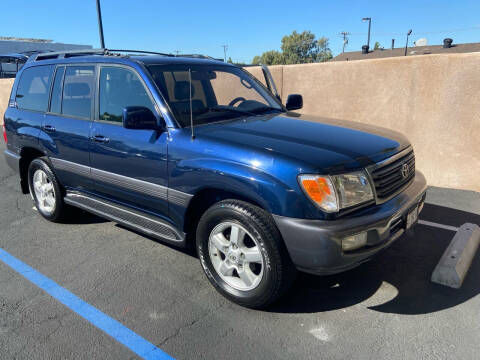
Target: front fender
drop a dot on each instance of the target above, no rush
(270, 192)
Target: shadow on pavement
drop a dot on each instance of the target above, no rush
(407, 266)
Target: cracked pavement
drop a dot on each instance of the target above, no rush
(384, 308)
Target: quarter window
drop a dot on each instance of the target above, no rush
(119, 88)
(78, 91)
(34, 87)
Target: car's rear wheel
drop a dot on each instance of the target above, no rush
(242, 253)
(45, 190)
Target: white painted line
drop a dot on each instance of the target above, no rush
(440, 226)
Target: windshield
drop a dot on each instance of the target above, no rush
(219, 92)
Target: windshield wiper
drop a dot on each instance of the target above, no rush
(236, 110)
(264, 109)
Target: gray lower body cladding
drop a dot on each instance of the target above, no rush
(315, 246)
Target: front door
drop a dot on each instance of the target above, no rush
(127, 165)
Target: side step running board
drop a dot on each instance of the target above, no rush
(124, 215)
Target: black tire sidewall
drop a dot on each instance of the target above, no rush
(221, 213)
(41, 164)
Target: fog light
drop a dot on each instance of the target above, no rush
(354, 242)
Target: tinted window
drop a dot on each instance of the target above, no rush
(119, 88)
(56, 100)
(78, 91)
(218, 92)
(34, 87)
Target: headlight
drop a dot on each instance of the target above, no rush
(335, 192)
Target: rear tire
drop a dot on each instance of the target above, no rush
(243, 255)
(45, 190)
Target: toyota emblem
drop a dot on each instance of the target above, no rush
(405, 170)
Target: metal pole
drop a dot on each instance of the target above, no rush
(225, 53)
(406, 45)
(100, 26)
(369, 26)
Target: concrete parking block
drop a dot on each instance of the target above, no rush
(456, 260)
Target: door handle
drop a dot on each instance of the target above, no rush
(49, 128)
(100, 139)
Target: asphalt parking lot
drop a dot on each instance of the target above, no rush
(387, 308)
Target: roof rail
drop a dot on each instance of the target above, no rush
(111, 52)
(139, 52)
(197, 56)
(66, 54)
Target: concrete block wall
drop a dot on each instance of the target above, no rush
(432, 99)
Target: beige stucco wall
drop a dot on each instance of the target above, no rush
(5, 87)
(433, 99)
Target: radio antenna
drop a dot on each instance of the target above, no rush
(191, 111)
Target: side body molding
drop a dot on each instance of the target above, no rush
(144, 187)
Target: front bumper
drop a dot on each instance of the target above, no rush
(315, 245)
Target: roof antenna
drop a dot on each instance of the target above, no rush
(191, 112)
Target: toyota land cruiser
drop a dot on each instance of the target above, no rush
(191, 150)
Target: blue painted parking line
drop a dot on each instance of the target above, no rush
(110, 326)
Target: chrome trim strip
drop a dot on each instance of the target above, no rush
(390, 159)
(75, 168)
(144, 187)
(136, 185)
(12, 155)
(178, 197)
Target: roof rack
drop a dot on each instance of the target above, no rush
(106, 52)
(197, 56)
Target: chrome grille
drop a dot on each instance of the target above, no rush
(391, 176)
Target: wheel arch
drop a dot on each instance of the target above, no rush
(204, 199)
(27, 155)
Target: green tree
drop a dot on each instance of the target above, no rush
(229, 60)
(272, 57)
(376, 46)
(297, 48)
(324, 52)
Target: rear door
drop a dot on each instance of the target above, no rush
(128, 165)
(67, 125)
(27, 112)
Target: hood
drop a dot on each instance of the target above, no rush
(321, 143)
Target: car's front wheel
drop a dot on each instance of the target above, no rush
(242, 253)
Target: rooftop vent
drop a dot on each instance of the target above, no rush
(447, 43)
(365, 49)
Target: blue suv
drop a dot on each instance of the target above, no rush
(191, 150)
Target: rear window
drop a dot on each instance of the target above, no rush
(34, 87)
(78, 91)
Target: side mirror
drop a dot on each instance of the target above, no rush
(294, 102)
(139, 118)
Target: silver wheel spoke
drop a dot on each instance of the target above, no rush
(247, 276)
(220, 242)
(226, 269)
(49, 187)
(236, 235)
(253, 255)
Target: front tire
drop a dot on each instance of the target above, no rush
(242, 253)
(45, 190)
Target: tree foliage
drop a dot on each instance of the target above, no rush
(297, 48)
(376, 46)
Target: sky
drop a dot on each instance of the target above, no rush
(247, 27)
